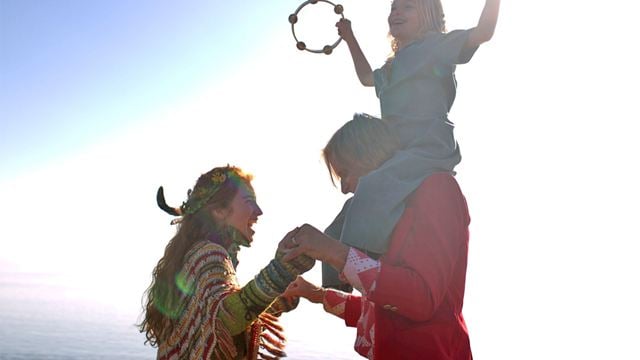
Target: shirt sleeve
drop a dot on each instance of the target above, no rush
(361, 271)
(380, 78)
(243, 306)
(451, 48)
(342, 305)
(416, 286)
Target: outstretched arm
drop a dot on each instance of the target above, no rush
(486, 25)
(240, 308)
(363, 69)
(338, 303)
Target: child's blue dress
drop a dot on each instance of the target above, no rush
(416, 92)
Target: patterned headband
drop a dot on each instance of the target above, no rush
(195, 199)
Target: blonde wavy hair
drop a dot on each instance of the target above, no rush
(431, 15)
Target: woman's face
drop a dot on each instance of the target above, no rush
(243, 212)
(404, 21)
(349, 177)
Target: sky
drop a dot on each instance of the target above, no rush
(101, 102)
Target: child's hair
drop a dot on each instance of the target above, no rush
(431, 19)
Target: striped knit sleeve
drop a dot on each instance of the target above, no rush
(240, 308)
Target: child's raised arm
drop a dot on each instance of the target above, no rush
(363, 69)
(486, 25)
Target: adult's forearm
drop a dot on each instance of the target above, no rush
(245, 305)
(336, 256)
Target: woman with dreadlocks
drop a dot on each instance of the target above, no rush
(195, 308)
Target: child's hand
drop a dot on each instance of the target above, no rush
(344, 30)
(302, 288)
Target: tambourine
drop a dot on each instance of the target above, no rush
(293, 19)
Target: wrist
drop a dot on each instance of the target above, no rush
(338, 257)
(317, 297)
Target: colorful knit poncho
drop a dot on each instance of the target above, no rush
(221, 320)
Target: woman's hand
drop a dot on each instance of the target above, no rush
(301, 263)
(302, 288)
(345, 31)
(312, 242)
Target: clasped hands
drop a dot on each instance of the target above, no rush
(309, 241)
(304, 244)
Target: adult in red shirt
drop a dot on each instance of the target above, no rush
(412, 295)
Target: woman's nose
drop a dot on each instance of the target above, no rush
(345, 186)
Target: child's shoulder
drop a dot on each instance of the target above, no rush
(436, 37)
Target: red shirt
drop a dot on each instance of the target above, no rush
(411, 303)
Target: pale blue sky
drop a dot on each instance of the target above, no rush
(73, 71)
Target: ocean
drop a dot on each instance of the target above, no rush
(56, 317)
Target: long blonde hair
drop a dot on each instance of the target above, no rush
(431, 16)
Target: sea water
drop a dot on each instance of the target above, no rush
(44, 316)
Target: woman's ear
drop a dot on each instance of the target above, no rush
(219, 214)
